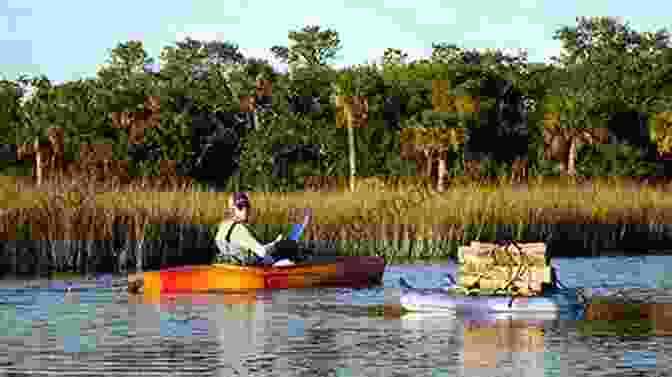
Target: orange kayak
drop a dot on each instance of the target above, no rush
(339, 271)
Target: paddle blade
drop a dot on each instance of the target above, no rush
(297, 229)
(295, 232)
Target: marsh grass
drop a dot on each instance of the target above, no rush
(401, 221)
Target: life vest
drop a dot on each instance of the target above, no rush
(230, 248)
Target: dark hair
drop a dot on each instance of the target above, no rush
(240, 200)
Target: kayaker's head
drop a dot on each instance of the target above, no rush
(240, 205)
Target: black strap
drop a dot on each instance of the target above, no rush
(228, 238)
(228, 234)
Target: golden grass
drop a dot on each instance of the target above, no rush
(460, 204)
(407, 220)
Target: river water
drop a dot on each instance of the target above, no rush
(98, 330)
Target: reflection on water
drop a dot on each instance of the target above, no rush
(97, 329)
(518, 343)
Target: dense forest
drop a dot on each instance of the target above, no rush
(232, 121)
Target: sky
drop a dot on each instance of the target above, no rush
(70, 39)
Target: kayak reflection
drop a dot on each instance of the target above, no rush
(518, 342)
(491, 340)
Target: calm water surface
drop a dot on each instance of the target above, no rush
(99, 330)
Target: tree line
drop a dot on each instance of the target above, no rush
(606, 69)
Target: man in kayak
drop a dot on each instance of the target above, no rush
(234, 238)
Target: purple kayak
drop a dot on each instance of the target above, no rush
(439, 299)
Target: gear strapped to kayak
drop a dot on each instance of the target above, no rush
(495, 266)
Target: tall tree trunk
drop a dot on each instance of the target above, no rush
(428, 162)
(571, 158)
(39, 163)
(351, 143)
(442, 173)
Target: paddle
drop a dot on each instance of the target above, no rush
(296, 231)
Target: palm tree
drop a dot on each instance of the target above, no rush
(430, 147)
(560, 143)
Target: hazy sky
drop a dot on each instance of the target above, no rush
(69, 39)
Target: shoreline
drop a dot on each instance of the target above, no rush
(34, 257)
